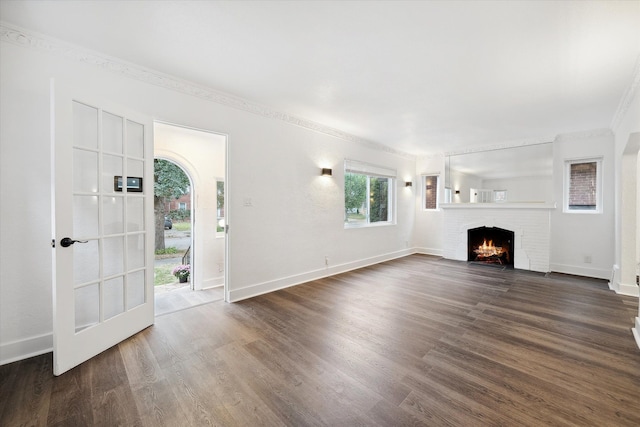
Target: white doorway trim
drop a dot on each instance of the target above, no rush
(203, 155)
(629, 212)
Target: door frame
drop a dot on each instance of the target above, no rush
(190, 171)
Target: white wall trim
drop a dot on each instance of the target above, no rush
(631, 290)
(212, 282)
(597, 273)
(431, 156)
(25, 348)
(428, 251)
(213, 286)
(535, 141)
(516, 205)
(19, 36)
(501, 146)
(587, 134)
(250, 291)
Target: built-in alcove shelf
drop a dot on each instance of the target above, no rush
(523, 205)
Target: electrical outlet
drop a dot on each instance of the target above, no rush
(587, 259)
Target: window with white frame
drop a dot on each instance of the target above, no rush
(430, 192)
(369, 196)
(583, 187)
(182, 206)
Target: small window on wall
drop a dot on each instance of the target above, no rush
(182, 206)
(368, 194)
(583, 193)
(430, 192)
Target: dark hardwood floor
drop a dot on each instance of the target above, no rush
(415, 341)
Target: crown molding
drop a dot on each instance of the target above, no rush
(432, 156)
(32, 40)
(627, 97)
(587, 134)
(594, 133)
(502, 146)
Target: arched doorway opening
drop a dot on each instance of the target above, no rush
(202, 156)
(173, 191)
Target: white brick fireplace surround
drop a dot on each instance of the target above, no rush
(530, 223)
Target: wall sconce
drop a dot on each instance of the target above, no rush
(408, 184)
(327, 172)
(457, 191)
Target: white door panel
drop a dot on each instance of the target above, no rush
(102, 178)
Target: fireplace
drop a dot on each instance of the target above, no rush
(490, 245)
(531, 241)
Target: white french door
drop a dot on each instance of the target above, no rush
(102, 186)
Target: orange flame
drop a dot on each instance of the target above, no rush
(487, 249)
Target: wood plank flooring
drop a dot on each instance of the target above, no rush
(411, 342)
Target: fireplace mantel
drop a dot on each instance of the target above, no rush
(542, 205)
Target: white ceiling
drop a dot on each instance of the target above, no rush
(421, 77)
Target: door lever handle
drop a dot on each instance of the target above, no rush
(68, 241)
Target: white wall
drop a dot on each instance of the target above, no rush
(523, 189)
(202, 156)
(294, 211)
(284, 217)
(576, 236)
(25, 225)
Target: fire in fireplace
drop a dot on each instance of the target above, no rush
(490, 245)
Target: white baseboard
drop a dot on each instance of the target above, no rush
(636, 331)
(23, 349)
(218, 285)
(625, 289)
(428, 251)
(598, 273)
(212, 283)
(285, 282)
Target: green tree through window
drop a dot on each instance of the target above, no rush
(379, 189)
(355, 197)
(367, 199)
